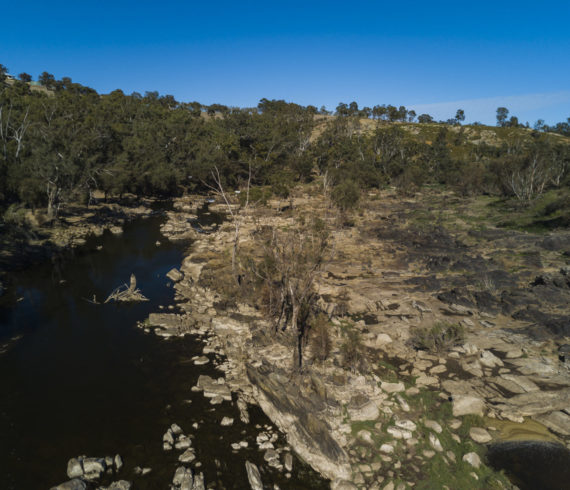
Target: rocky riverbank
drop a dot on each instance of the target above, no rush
(33, 239)
(419, 412)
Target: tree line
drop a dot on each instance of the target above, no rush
(60, 144)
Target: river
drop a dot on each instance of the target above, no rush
(81, 379)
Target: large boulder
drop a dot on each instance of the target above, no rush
(175, 275)
(253, 476)
(297, 415)
(213, 389)
(75, 484)
(74, 468)
(467, 405)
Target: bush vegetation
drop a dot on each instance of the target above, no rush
(320, 338)
(60, 144)
(439, 337)
(353, 355)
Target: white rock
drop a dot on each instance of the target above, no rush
(433, 425)
(74, 468)
(383, 339)
(455, 424)
(514, 354)
(120, 485)
(403, 403)
(174, 275)
(369, 411)
(470, 349)
(399, 433)
(183, 442)
(340, 484)
(424, 380)
(406, 424)
(440, 368)
(288, 460)
(366, 436)
(179, 476)
(393, 387)
(168, 437)
(434, 441)
(490, 360)
(466, 405)
(387, 448)
(480, 435)
(93, 468)
(75, 484)
(226, 421)
(187, 456)
(473, 459)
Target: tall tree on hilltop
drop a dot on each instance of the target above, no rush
(460, 116)
(47, 80)
(502, 114)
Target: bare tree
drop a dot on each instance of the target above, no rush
(291, 262)
(10, 130)
(528, 180)
(237, 215)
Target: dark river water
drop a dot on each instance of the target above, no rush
(78, 378)
(533, 465)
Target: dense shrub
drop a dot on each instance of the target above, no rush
(440, 337)
(346, 195)
(352, 352)
(320, 338)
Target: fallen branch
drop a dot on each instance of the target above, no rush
(127, 294)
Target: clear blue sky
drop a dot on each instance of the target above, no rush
(433, 56)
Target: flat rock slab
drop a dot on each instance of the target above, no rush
(556, 421)
(174, 275)
(214, 389)
(368, 411)
(393, 387)
(466, 405)
(164, 320)
(253, 476)
(75, 484)
(539, 402)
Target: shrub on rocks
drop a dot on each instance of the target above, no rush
(320, 338)
(440, 337)
(352, 352)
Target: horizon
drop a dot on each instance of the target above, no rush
(434, 60)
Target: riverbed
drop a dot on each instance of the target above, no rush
(79, 378)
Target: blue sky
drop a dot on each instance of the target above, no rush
(431, 56)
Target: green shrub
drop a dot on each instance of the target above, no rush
(346, 195)
(440, 337)
(257, 195)
(352, 352)
(320, 338)
(16, 215)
